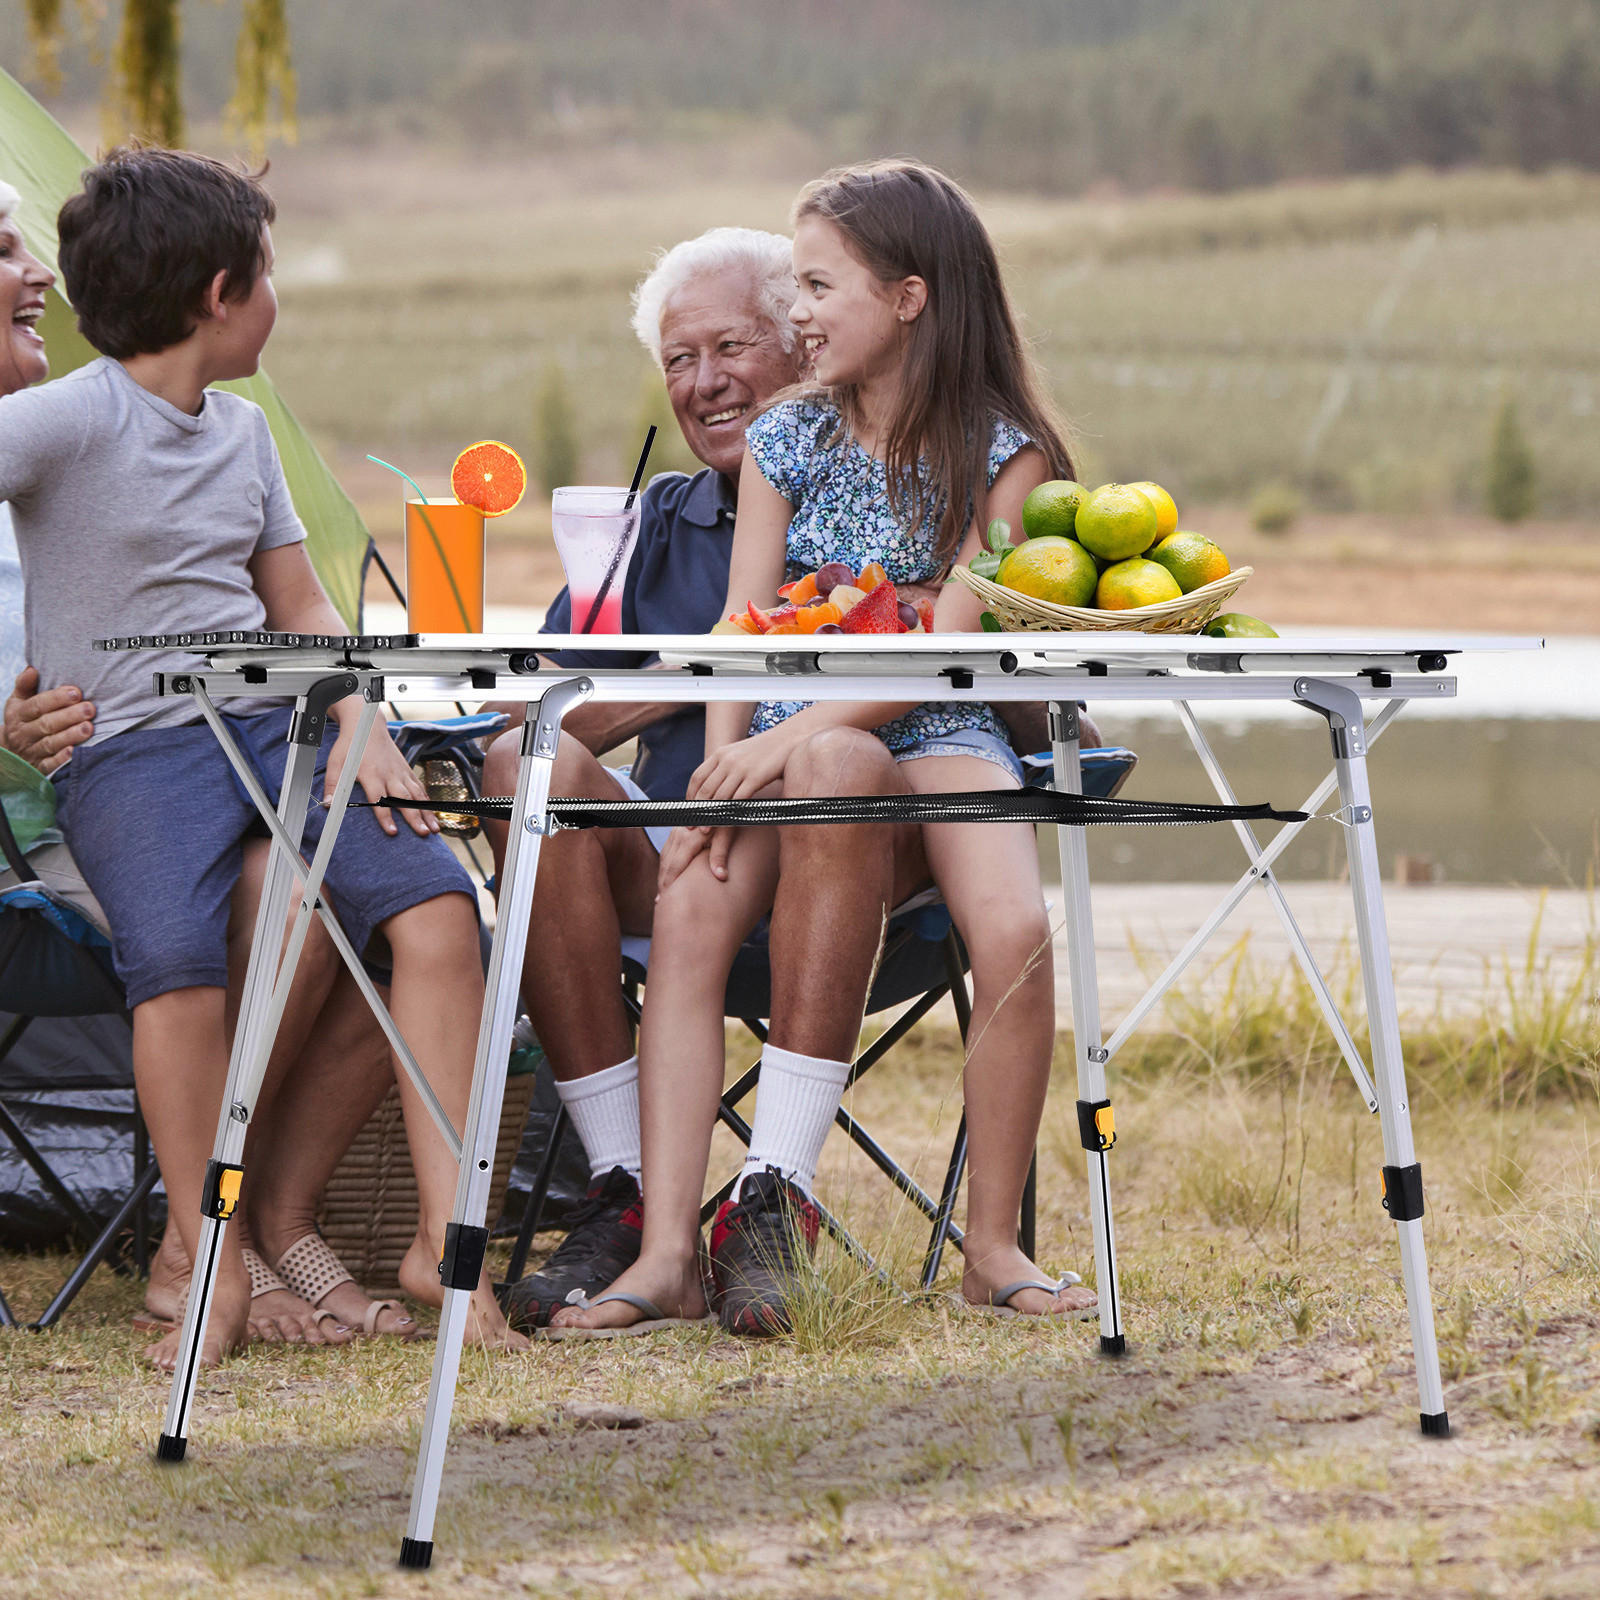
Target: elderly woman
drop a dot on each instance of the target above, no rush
(307, 1118)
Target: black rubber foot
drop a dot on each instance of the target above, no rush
(1115, 1344)
(416, 1553)
(169, 1448)
(1436, 1426)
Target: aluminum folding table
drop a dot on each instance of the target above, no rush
(1332, 679)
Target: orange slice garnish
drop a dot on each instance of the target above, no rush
(489, 476)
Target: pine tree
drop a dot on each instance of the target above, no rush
(555, 431)
(1510, 487)
(144, 97)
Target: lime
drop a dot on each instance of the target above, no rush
(1236, 625)
(1135, 583)
(1166, 507)
(1192, 559)
(1049, 568)
(1117, 521)
(1051, 510)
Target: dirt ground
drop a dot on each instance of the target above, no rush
(1332, 570)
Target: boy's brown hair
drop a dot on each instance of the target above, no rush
(965, 361)
(141, 244)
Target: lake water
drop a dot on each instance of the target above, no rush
(1498, 785)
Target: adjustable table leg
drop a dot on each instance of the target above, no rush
(1401, 1177)
(466, 1237)
(253, 1034)
(1096, 1128)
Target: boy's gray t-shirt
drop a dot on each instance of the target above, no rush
(131, 516)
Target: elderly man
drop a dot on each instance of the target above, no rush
(714, 313)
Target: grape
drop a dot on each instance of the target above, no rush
(816, 600)
(828, 627)
(908, 614)
(830, 575)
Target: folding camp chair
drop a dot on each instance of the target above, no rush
(923, 960)
(55, 961)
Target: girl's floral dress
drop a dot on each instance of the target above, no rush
(840, 496)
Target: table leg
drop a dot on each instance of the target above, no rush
(266, 988)
(466, 1237)
(1401, 1177)
(1096, 1127)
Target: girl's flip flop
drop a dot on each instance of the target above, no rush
(999, 1303)
(653, 1320)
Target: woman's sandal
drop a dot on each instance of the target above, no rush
(263, 1280)
(653, 1321)
(311, 1270)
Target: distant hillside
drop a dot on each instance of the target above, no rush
(1048, 95)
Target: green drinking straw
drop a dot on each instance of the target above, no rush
(427, 522)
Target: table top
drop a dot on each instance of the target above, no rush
(792, 654)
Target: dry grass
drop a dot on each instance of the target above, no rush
(1259, 1439)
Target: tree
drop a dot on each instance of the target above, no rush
(144, 99)
(1510, 489)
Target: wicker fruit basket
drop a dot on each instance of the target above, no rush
(369, 1209)
(1020, 613)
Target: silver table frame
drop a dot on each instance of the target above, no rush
(1334, 680)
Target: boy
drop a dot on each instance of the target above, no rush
(145, 501)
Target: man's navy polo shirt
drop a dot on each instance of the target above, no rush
(677, 583)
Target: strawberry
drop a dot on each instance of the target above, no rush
(762, 621)
(925, 614)
(879, 612)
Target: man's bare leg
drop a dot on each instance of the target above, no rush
(700, 923)
(593, 885)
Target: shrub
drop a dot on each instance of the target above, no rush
(555, 431)
(1510, 486)
(1274, 508)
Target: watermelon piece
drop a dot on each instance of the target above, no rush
(879, 612)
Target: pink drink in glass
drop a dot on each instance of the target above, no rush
(595, 532)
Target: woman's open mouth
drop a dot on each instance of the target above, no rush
(26, 318)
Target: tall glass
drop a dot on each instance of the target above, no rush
(595, 532)
(444, 564)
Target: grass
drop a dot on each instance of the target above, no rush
(1259, 1438)
(1191, 339)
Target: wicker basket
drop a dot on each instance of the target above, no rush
(369, 1209)
(1020, 613)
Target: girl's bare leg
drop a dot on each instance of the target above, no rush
(989, 876)
(700, 922)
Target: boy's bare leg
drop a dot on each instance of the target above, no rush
(329, 1068)
(593, 885)
(989, 877)
(437, 1004)
(180, 1059)
(700, 922)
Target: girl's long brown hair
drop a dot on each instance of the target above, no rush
(965, 362)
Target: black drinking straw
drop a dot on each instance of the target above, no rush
(622, 544)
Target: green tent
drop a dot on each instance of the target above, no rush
(39, 159)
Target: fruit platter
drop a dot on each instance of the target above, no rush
(1111, 558)
(836, 599)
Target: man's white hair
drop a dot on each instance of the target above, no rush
(9, 200)
(766, 258)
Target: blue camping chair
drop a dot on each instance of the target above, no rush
(55, 961)
(923, 960)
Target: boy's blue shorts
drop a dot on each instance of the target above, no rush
(156, 821)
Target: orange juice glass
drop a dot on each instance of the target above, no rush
(444, 566)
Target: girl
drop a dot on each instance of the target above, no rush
(923, 422)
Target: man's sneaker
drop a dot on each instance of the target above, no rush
(601, 1244)
(761, 1245)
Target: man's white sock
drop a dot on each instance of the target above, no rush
(795, 1103)
(604, 1108)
